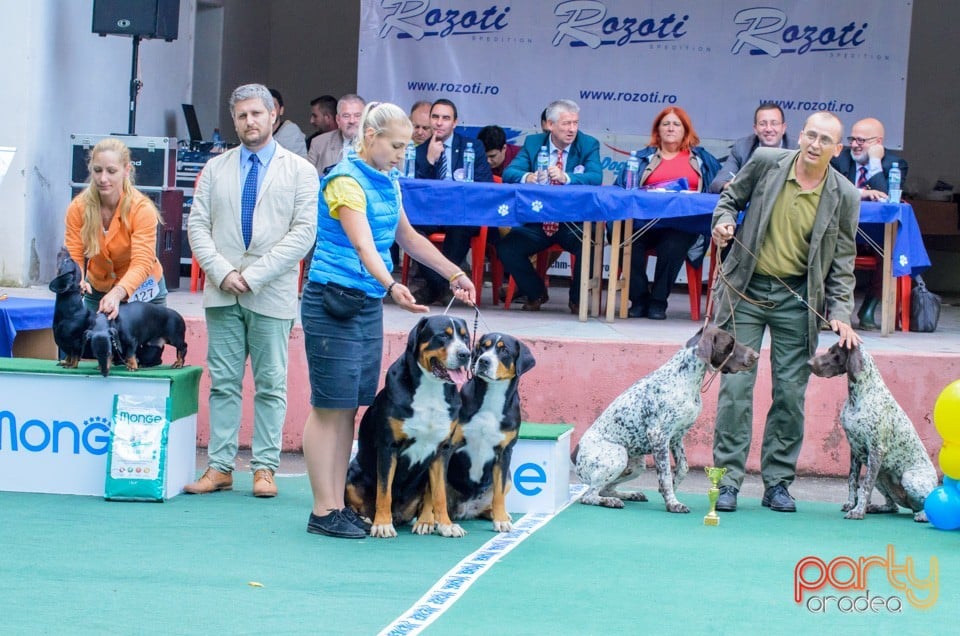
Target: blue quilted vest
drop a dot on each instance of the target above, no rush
(334, 259)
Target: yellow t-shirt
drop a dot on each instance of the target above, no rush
(344, 191)
(786, 247)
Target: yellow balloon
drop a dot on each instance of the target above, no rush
(946, 412)
(950, 460)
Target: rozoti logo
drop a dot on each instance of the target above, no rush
(767, 33)
(59, 436)
(813, 576)
(416, 19)
(587, 24)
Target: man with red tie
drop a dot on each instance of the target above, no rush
(866, 163)
(574, 159)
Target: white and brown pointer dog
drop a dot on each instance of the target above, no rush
(651, 417)
(881, 436)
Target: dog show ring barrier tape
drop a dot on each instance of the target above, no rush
(455, 583)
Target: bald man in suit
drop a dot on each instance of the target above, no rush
(253, 218)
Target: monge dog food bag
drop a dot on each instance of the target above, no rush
(138, 448)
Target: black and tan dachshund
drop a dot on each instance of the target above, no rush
(71, 319)
(144, 328)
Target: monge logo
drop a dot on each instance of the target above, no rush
(416, 19)
(58, 436)
(587, 24)
(847, 574)
(767, 33)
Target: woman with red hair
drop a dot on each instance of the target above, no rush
(672, 157)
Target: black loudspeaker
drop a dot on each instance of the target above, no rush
(169, 235)
(145, 18)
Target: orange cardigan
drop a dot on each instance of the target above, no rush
(127, 255)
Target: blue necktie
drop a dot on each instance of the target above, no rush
(442, 164)
(248, 200)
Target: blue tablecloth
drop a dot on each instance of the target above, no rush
(429, 202)
(20, 314)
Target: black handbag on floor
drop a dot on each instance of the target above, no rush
(924, 308)
(342, 302)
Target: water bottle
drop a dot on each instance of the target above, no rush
(410, 161)
(217, 140)
(632, 178)
(543, 162)
(468, 158)
(893, 181)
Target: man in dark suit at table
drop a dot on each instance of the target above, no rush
(793, 255)
(769, 131)
(574, 159)
(440, 157)
(866, 163)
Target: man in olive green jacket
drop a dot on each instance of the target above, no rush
(797, 238)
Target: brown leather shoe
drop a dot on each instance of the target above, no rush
(574, 308)
(211, 481)
(263, 484)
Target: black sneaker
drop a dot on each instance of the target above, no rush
(356, 519)
(727, 501)
(334, 524)
(778, 498)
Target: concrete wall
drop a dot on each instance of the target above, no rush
(60, 78)
(574, 381)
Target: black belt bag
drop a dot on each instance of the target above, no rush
(342, 302)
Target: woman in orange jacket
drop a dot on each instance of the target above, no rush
(111, 232)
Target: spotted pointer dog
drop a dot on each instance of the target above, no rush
(651, 417)
(881, 437)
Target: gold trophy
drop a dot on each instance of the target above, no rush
(714, 475)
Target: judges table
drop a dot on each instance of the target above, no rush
(22, 314)
(429, 202)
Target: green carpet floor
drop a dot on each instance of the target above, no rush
(79, 565)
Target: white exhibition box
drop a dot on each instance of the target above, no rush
(55, 424)
(540, 469)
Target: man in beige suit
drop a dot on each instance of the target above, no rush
(328, 149)
(793, 255)
(253, 218)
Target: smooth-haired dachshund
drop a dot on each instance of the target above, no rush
(71, 318)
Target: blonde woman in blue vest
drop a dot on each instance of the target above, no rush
(360, 214)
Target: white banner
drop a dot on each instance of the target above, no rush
(623, 60)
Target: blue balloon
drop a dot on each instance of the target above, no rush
(950, 482)
(943, 508)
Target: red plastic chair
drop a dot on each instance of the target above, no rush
(478, 250)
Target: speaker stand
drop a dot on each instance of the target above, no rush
(135, 86)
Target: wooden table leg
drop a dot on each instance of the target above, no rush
(586, 292)
(596, 284)
(613, 282)
(888, 299)
(625, 269)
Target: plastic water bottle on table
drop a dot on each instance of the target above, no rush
(543, 162)
(468, 159)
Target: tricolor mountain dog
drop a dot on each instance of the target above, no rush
(881, 437)
(71, 319)
(478, 476)
(408, 433)
(651, 417)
